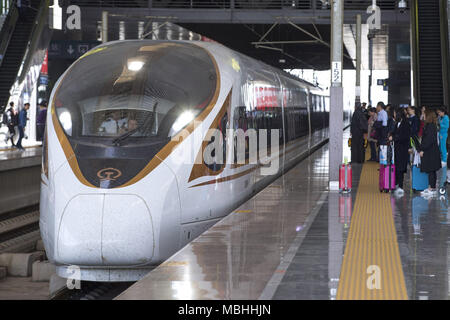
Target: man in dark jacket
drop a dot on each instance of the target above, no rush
(401, 136)
(11, 123)
(22, 124)
(40, 121)
(358, 128)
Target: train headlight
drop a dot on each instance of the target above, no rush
(66, 121)
(182, 121)
(135, 65)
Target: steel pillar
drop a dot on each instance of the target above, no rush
(336, 93)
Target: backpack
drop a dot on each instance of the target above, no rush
(4, 118)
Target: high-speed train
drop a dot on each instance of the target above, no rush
(120, 189)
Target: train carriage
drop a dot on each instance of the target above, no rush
(125, 183)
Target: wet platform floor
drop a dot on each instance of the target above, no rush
(289, 242)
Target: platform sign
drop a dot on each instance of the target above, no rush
(336, 72)
(43, 80)
(66, 49)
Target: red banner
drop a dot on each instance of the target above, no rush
(44, 68)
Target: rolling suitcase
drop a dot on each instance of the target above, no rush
(387, 178)
(387, 170)
(419, 179)
(345, 178)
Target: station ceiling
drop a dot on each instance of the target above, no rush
(308, 47)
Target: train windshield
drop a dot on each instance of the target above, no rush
(136, 91)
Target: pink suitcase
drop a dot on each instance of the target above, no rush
(345, 178)
(387, 178)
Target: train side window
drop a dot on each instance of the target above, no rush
(223, 124)
(241, 121)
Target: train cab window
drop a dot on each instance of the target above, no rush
(140, 90)
(121, 103)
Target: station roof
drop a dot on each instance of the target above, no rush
(285, 46)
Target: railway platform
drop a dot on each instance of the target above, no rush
(297, 240)
(20, 178)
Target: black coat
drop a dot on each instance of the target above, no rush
(401, 137)
(431, 160)
(415, 125)
(358, 127)
(359, 124)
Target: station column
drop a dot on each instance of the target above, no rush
(336, 93)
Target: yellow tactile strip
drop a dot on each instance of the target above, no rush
(371, 268)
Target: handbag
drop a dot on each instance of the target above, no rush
(416, 160)
(373, 134)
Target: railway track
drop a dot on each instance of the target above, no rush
(19, 230)
(94, 291)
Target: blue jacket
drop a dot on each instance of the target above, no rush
(23, 118)
(443, 125)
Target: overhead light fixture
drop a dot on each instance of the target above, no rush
(402, 6)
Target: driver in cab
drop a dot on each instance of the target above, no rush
(115, 125)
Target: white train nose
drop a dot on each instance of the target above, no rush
(105, 229)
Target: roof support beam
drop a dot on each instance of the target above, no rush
(268, 31)
(313, 36)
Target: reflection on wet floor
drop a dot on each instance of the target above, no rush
(422, 233)
(238, 257)
(288, 242)
(315, 270)
(422, 227)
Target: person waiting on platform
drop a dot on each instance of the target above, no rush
(22, 124)
(372, 134)
(429, 152)
(423, 110)
(414, 123)
(401, 138)
(358, 128)
(381, 124)
(443, 132)
(11, 123)
(40, 121)
(391, 120)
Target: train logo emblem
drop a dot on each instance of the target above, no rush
(109, 174)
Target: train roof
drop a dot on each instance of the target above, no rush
(281, 71)
(213, 43)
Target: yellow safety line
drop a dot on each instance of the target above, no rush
(371, 242)
(15, 149)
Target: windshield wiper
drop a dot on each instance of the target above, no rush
(128, 134)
